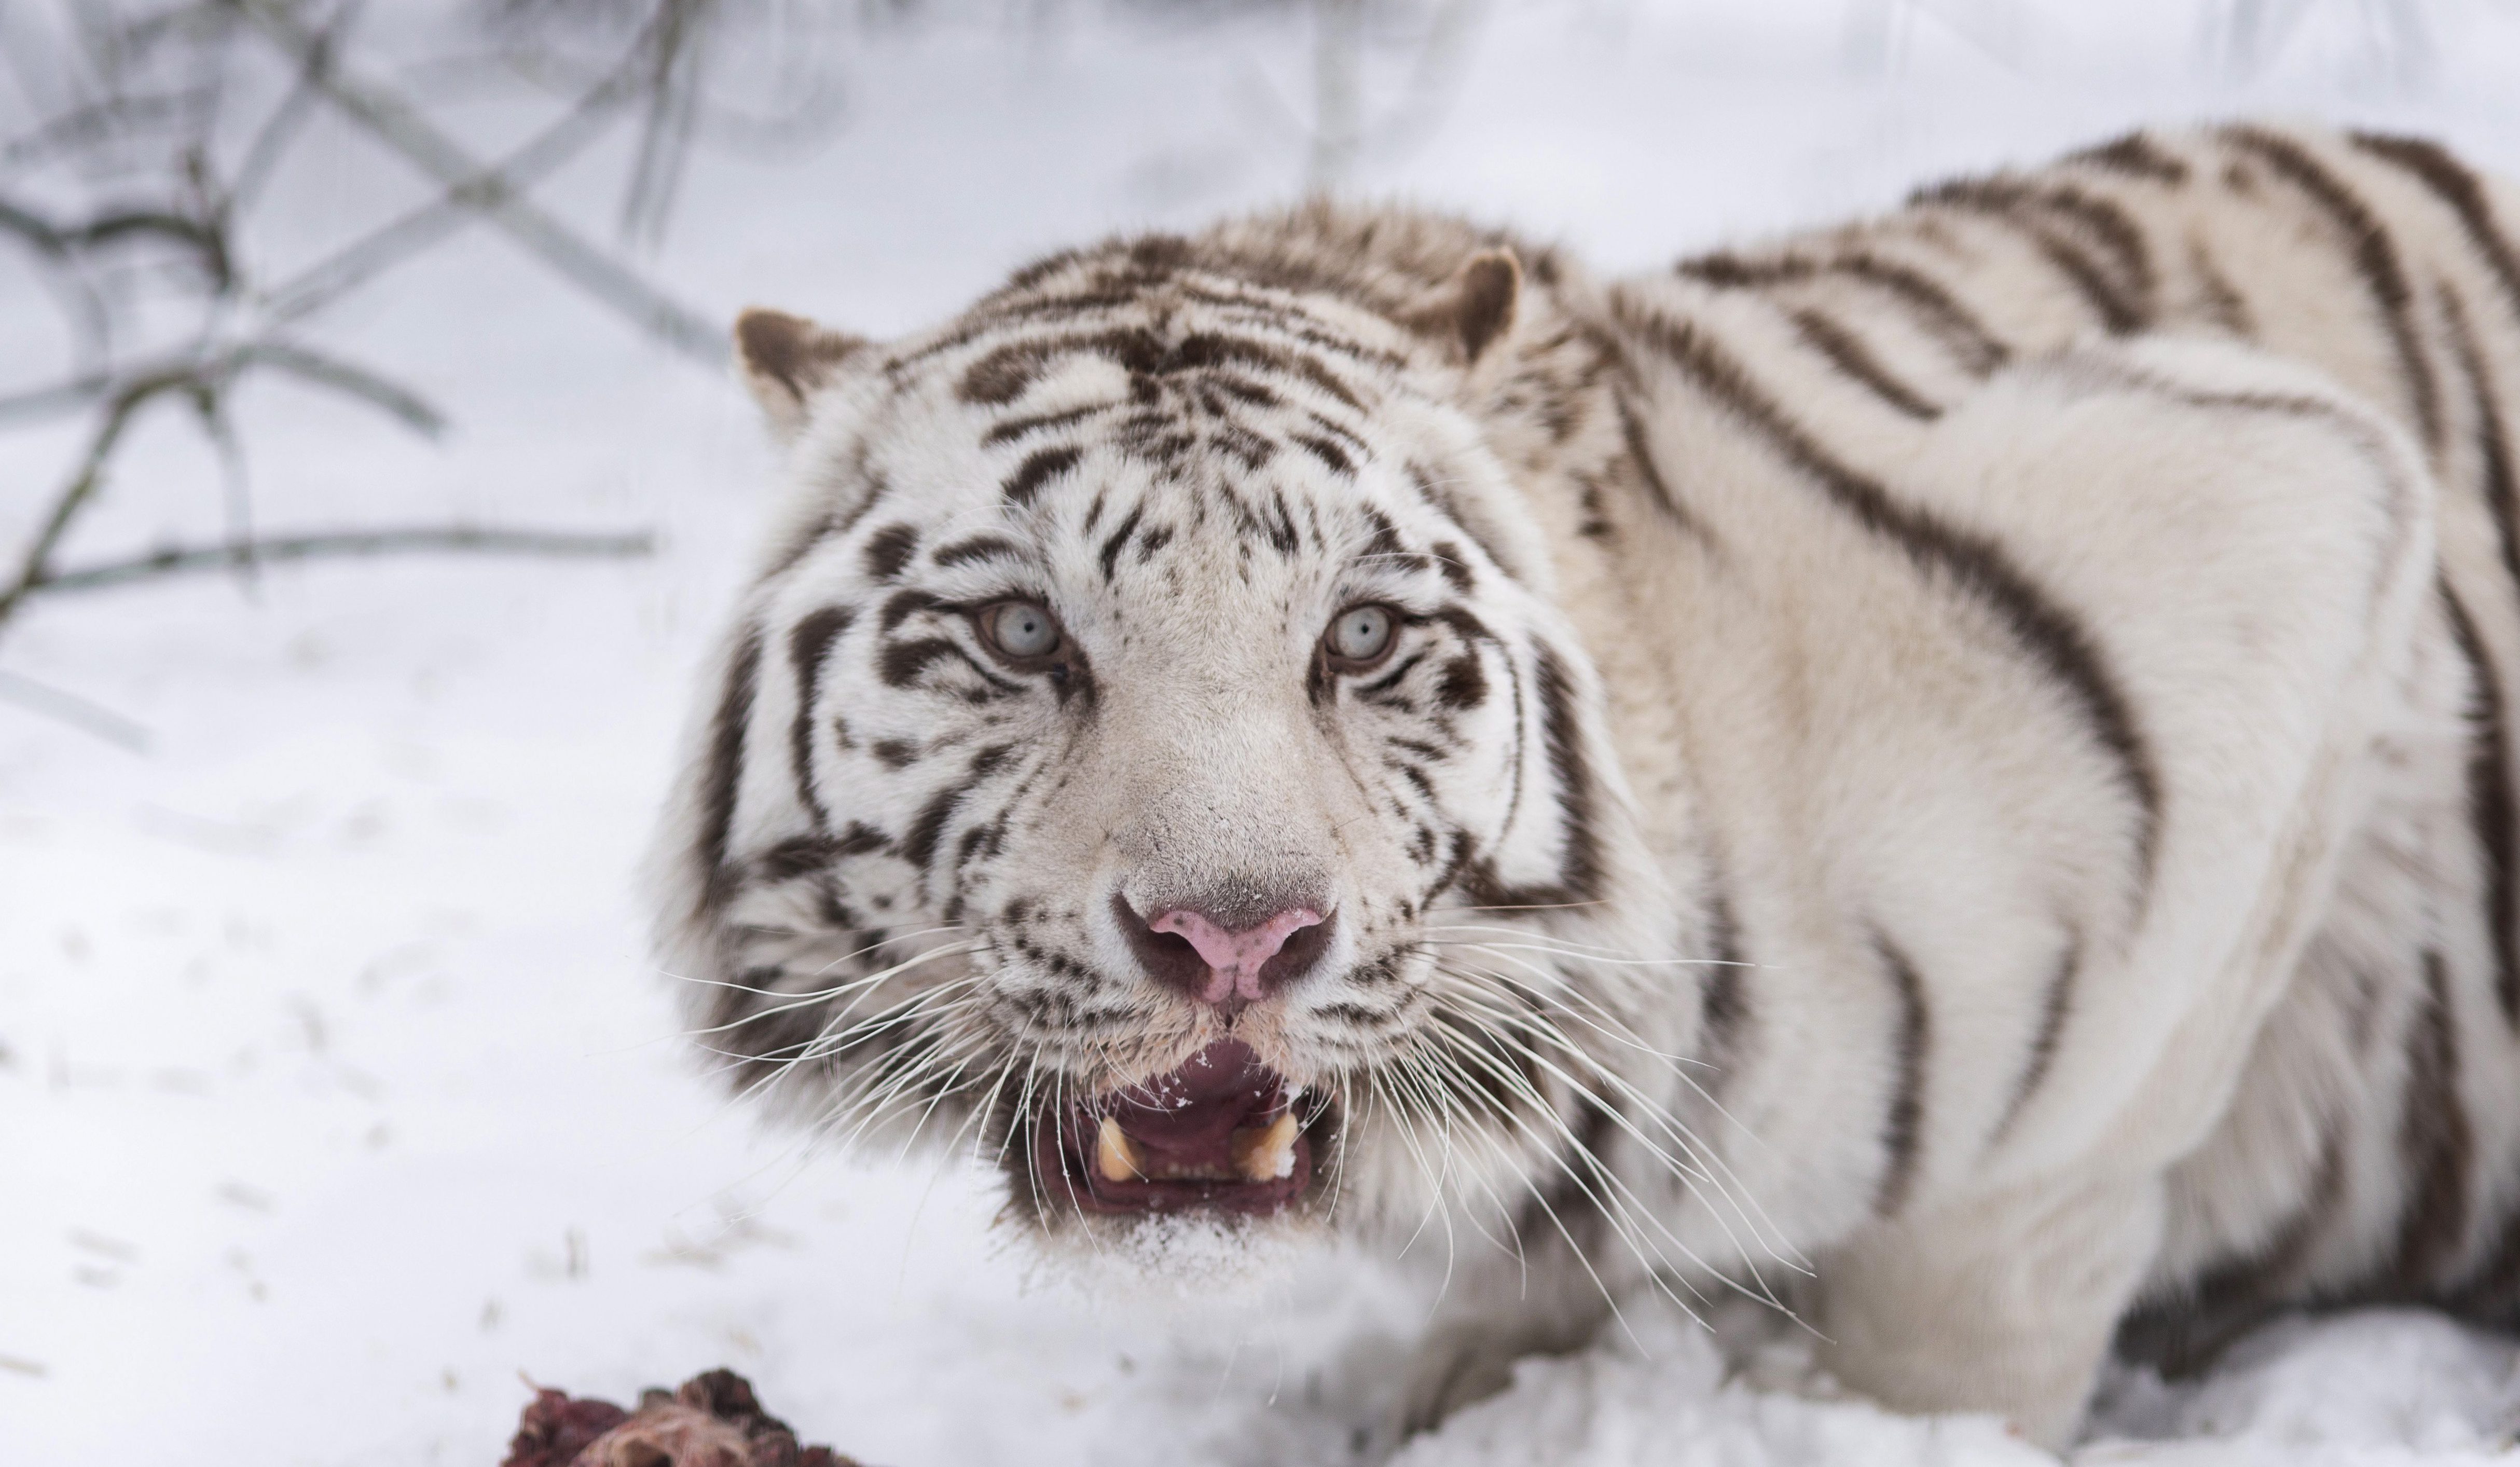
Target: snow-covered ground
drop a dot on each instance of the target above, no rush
(337, 1092)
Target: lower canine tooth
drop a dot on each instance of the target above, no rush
(1268, 1154)
(1117, 1157)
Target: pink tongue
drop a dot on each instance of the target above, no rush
(1198, 1107)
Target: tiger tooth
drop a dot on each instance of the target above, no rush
(1268, 1154)
(1116, 1155)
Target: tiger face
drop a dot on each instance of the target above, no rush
(1149, 754)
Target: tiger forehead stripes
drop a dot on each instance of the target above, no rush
(1949, 774)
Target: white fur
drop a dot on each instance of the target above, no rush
(1818, 730)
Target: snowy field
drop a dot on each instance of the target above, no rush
(337, 1091)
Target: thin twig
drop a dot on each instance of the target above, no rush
(262, 156)
(402, 403)
(471, 539)
(665, 136)
(402, 128)
(70, 707)
(236, 489)
(324, 369)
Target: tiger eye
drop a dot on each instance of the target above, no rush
(1361, 634)
(1021, 630)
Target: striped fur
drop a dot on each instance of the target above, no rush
(1953, 774)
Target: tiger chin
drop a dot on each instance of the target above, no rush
(1949, 774)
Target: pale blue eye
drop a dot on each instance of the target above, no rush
(1361, 633)
(1022, 629)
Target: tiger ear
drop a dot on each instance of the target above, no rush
(786, 360)
(1475, 308)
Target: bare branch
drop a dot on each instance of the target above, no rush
(271, 140)
(665, 136)
(402, 128)
(206, 383)
(408, 407)
(75, 392)
(305, 362)
(354, 264)
(354, 543)
(87, 126)
(88, 477)
(60, 241)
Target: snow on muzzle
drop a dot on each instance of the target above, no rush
(1224, 1133)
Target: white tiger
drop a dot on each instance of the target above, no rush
(1966, 751)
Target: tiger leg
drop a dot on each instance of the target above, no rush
(2004, 1304)
(1549, 1301)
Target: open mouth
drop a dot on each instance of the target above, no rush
(1224, 1132)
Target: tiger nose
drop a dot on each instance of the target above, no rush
(1188, 948)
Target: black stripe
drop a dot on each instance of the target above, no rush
(900, 663)
(1005, 372)
(901, 606)
(1848, 354)
(2056, 220)
(1649, 473)
(1577, 1200)
(1971, 561)
(979, 547)
(1118, 540)
(807, 645)
(2182, 1334)
(2491, 811)
(1038, 470)
(799, 856)
(1441, 501)
(1012, 429)
(1937, 310)
(2493, 444)
(2375, 258)
(1902, 1123)
(1207, 350)
(2462, 192)
(1332, 457)
(724, 778)
(1579, 873)
(2223, 300)
(2436, 1144)
(1392, 679)
(2054, 1010)
(1464, 685)
(926, 829)
(2491, 1291)
(889, 549)
(1958, 327)
(2136, 157)
(1724, 1004)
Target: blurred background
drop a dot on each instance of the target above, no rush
(372, 476)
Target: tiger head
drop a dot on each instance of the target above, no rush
(1149, 758)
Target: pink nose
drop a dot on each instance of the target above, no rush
(1235, 958)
